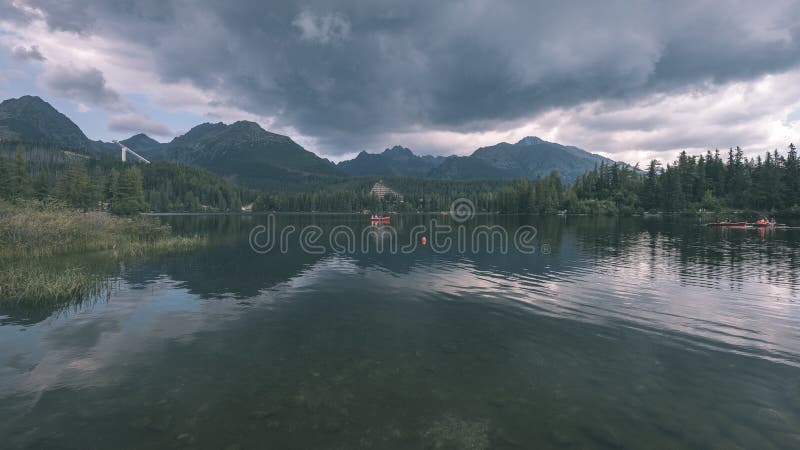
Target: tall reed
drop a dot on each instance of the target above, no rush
(44, 249)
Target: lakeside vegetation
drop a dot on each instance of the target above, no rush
(52, 253)
(710, 182)
(80, 180)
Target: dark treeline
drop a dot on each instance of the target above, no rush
(175, 187)
(419, 194)
(710, 182)
(548, 194)
(78, 180)
(691, 183)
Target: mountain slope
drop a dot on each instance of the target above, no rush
(242, 151)
(143, 144)
(395, 161)
(247, 153)
(31, 119)
(529, 158)
(467, 168)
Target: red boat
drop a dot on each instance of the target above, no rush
(727, 224)
(763, 223)
(376, 219)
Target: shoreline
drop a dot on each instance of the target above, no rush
(733, 213)
(56, 255)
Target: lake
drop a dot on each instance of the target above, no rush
(600, 333)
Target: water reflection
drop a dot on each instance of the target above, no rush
(630, 333)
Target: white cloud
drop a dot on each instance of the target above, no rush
(135, 122)
(751, 114)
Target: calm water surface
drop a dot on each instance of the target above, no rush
(631, 333)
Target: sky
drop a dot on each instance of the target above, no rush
(632, 80)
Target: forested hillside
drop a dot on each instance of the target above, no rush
(710, 181)
(419, 194)
(48, 173)
(768, 184)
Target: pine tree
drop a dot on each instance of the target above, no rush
(673, 190)
(75, 187)
(190, 202)
(729, 172)
(110, 187)
(791, 185)
(717, 174)
(129, 194)
(41, 186)
(650, 194)
(236, 204)
(5, 179)
(219, 200)
(18, 175)
(710, 202)
(154, 201)
(770, 182)
(739, 182)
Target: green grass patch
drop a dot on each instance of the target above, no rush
(52, 254)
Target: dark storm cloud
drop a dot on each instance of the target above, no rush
(345, 71)
(22, 53)
(12, 13)
(83, 85)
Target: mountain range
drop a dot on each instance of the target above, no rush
(245, 153)
(395, 161)
(530, 158)
(242, 152)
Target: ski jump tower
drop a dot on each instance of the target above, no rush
(126, 150)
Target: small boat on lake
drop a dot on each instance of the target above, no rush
(764, 223)
(727, 224)
(761, 223)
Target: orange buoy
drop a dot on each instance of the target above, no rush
(424, 240)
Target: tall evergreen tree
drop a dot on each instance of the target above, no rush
(75, 188)
(17, 172)
(129, 194)
(41, 186)
(791, 185)
(650, 191)
(5, 179)
(738, 189)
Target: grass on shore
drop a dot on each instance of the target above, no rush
(30, 282)
(52, 254)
